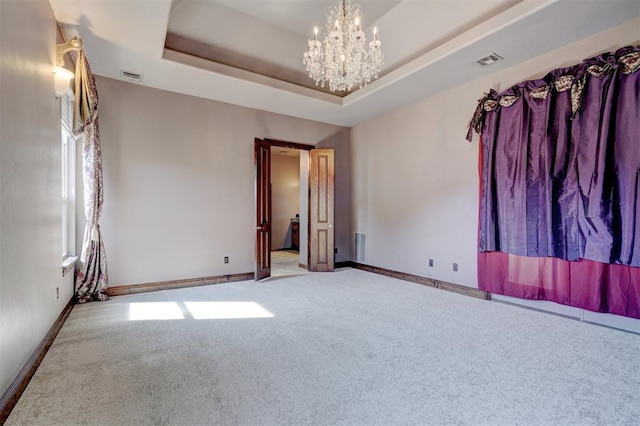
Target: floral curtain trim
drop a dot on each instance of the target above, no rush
(630, 62)
(540, 92)
(91, 278)
(627, 59)
(564, 82)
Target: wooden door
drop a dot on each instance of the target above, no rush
(321, 194)
(263, 208)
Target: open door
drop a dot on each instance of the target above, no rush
(321, 194)
(263, 208)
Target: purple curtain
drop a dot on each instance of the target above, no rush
(560, 182)
(598, 287)
(91, 278)
(561, 164)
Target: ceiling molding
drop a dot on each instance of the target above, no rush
(248, 76)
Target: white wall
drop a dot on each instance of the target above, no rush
(415, 177)
(179, 181)
(30, 185)
(415, 188)
(285, 197)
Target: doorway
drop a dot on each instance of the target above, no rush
(309, 215)
(287, 198)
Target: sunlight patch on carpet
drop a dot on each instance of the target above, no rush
(227, 310)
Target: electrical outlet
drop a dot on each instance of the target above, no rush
(455, 267)
(226, 259)
(431, 263)
(57, 292)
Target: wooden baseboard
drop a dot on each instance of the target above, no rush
(16, 388)
(343, 264)
(303, 266)
(171, 285)
(443, 285)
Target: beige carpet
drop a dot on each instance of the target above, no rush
(348, 347)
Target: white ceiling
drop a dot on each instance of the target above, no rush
(257, 46)
(301, 16)
(285, 152)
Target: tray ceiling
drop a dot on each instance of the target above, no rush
(249, 52)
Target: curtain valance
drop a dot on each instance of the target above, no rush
(85, 106)
(626, 60)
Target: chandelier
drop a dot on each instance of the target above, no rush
(342, 59)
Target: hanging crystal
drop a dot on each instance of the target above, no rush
(342, 59)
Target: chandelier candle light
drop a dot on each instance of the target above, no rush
(342, 59)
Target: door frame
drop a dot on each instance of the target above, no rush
(286, 144)
(281, 144)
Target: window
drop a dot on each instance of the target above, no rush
(68, 178)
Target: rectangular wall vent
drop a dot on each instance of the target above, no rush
(489, 59)
(359, 246)
(131, 76)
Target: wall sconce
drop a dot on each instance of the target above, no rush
(61, 79)
(62, 76)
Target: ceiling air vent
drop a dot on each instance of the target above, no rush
(131, 76)
(489, 59)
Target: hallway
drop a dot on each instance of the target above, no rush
(284, 263)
